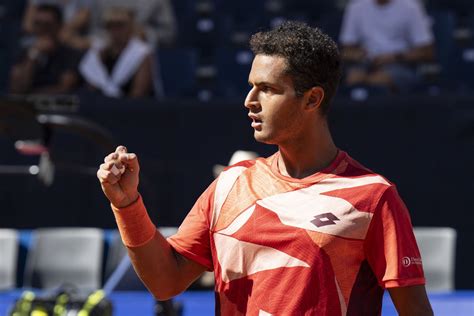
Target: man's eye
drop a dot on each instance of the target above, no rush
(265, 88)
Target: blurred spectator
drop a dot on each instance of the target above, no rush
(122, 65)
(47, 65)
(76, 14)
(155, 18)
(383, 41)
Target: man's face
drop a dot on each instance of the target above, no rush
(45, 24)
(274, 108)
(120, 30)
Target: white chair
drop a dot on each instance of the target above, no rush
(8, 258)
(61, 256)
(438, 252)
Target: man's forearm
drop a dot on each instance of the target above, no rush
(158, 267)
(52, 89)
(164, 272)
(22, 77)
(411, 301)
(418, 54)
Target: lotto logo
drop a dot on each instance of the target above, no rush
(325, 219)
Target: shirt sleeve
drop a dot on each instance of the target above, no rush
(193, 237)
(390, 244)
(350, 29)
(419, 29)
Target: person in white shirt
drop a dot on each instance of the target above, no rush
(383, 41)
(121, 66)
(156, 19)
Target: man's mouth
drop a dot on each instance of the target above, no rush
(256, 121)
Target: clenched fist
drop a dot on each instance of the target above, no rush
(118, 176)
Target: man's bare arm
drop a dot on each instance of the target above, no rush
(353, 53)
(419, 54)
(21, 76)
(411, 301)
(67, 82)
(142, 81)
(163, 271)
(412, 56)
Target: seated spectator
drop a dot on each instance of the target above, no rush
(383, 41)
(155, 18)
(76, 13)
(121, 66)
(46, 66)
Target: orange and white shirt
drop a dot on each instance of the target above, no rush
(328, 244)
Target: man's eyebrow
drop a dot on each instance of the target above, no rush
(261, 83)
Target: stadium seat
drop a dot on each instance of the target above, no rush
(8, 258)
(361, 93)
(178, 71)
(331, 23)
(65, 256)
(242, 9)
(438, 250)
(443, 26)
(199, 28)
(460, 7)
(233, 67)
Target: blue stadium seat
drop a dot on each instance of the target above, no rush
(233, 67)
(443, 25)
(198, 25)
(13, 9)
(331, 23)
(460, 7)
(361, 93)
(178, 71)
(242, 9)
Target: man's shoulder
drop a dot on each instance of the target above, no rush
(356, 170)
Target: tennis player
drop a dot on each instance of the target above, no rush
(306, 231)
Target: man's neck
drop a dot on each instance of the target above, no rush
(306, 156)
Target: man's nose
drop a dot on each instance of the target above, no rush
(251, 101)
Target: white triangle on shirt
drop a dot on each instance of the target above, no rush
(240, 258)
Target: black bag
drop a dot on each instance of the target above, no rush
(62, 304)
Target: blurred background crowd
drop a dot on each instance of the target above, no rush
(199, 48)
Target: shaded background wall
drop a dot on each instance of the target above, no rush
(425, 145)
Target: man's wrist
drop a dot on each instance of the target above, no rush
(127, 202)
(134, 224)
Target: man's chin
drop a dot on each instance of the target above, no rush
(261, 138)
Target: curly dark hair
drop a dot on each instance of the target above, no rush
(312, 57)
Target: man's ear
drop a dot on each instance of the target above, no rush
(315, 98)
